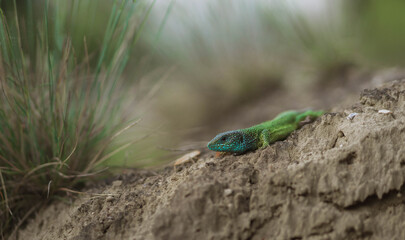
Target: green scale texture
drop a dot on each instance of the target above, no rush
(261, 135)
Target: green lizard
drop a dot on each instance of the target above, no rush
(261, 135)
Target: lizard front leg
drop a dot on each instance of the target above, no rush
(268, 137)
(264, 139)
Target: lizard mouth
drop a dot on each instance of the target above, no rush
(213, 146)
(216, 146)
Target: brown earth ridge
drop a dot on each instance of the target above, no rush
(333, 179)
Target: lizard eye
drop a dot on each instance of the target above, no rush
(223, 138)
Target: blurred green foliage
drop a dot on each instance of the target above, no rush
(381, 28)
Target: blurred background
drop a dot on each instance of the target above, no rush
(203, 67)
(233, 64)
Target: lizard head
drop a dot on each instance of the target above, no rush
(232, 141)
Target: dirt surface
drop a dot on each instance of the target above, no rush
(333, 179)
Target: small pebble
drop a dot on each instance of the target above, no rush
(341, 145)
(351, 116)
(227, 192)
(384, 111)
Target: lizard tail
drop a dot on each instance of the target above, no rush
(311, 114)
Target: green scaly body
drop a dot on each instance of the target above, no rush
(261, 135)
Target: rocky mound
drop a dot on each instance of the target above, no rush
(340, 177)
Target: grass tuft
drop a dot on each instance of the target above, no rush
(60, 105)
